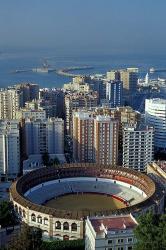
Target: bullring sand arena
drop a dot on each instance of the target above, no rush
(85, 201)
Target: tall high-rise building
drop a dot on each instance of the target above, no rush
(138, 146)
(124, 115)
(74, 101)
(95, 139)
(10, 102)
(30, 91)
(113, 75)
(43, 136)
(83, 137)
(106, 140)
(9, 149)
(155, 115)
(54, 100)
(129, 77)
(114, 94)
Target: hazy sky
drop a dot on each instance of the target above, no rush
(113, 26)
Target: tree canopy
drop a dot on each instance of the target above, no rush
(151, 232)
(47, 161)
(64, 245)
(7, 214)
(30, 238)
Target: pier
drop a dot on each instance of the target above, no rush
(63, 72)
(67, 71)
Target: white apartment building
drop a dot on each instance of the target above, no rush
(110, 233)
(44, 136)
(9, 149)
(155, 114)
(10, 102)
(138, 146)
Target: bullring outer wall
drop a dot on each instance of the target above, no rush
(46, 218)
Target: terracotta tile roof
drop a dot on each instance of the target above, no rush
(113, 223)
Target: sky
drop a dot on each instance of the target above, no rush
(91, 26)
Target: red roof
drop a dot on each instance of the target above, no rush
(113, 223)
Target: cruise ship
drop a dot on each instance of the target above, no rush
(43, 70)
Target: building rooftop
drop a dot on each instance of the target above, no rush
(113, 223)
(83, 115)
(140, 128)
(157, 101)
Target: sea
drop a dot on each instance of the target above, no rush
(10, 61)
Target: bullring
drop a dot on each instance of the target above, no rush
(31, 195)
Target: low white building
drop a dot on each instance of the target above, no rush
(35, 161)
(110, 233)
(31, 113)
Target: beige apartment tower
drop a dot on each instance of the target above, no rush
(95, 139)
(83, 137)
(106, 140)
(10, 102)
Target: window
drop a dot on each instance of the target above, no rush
(65, 226)
(57, 225)
(16, 208)
(130, 248)
(39, 219)
(73, 227)
(45, 221)
(24, 214)
(109, 241)
(130, 239)
(20, 211)
(33, 217)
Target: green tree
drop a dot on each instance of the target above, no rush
(64, 245)
(56, 161)
(46, 158)
(151, 232)
(162, 231)
(30, 238)
(7, 214)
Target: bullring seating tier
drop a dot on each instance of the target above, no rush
(47, 192)
(21, 188)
